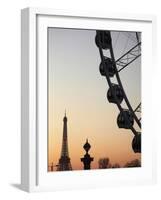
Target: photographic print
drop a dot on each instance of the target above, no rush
(94, 99)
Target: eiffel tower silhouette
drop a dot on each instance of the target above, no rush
(64, 161)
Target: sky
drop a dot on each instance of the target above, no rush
(76, 85)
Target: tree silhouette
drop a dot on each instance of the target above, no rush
(133, 163)
(104, 163)
(116, 165)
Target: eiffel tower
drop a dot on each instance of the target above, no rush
(64, 161)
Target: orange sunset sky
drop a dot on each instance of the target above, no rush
(75, 84)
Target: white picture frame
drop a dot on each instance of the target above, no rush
(34, 24)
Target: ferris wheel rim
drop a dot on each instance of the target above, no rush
(119, 83)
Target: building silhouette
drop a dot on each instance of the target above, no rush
(64, 163)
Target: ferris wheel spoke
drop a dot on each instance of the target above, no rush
(138, 108)
(128, 57)
(137, 37)
(128, 63)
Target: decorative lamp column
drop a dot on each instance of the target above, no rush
(87, 159)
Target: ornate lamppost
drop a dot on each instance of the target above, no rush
(87, 159)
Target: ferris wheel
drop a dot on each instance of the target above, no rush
(129, 117)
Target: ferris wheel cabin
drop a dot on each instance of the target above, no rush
(125, 119)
